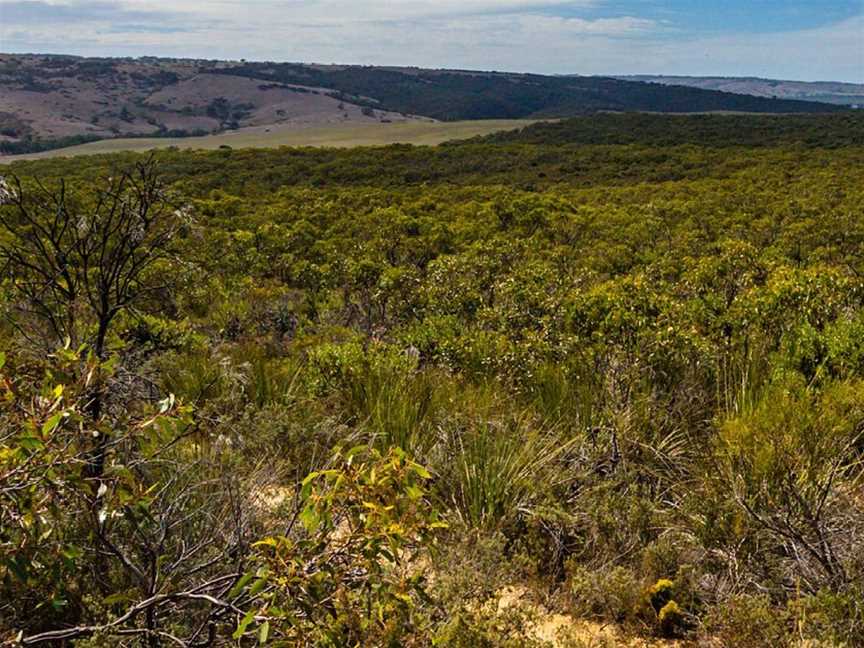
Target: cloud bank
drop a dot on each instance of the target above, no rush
(547, 36)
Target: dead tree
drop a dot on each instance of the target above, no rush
(72, 260)
(76, 260)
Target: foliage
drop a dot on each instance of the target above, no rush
(791, 465)
(85, 553)
(351, 577)
(633, 373)
(812, 131)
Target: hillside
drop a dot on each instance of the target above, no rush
(461, 94)
(52, 101)
(514, 392)
(831, 92)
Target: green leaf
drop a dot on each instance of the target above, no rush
(257, 586)
(2, 359)
(306, 485)
(31, 443)
(422, 472)
(49, 425)
(119, 597)
(264, 632)
(238, 587)
(244, 623)
(310, 519)
(266, 542)
(355, 450)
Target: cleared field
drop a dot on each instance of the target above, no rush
(338, 135)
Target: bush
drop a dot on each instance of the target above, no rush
(610, 594)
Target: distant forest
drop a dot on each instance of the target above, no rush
(454, 95)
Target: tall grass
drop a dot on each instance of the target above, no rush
(493, 470)
(273, 382)
(197, 378)
(557, 396)
(397, 405)
(742, 374)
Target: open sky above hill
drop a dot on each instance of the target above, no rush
(795, 39)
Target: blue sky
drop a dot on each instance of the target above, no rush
(736, 16)
(792, 39)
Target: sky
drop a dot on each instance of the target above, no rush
(786, 39)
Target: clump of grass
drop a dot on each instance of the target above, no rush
(559, 396)
(273, 382)
(493, 470)
(395, 406)
(382, 391)
(198, 378)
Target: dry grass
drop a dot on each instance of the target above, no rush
(337, 135)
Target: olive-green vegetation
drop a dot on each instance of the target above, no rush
(314, 397)
(753, 131)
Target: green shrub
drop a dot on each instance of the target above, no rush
(609, 594)
(661, 593)
(671, 619)
(749, 622)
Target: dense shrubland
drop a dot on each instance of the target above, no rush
(755, 131)
(298, 397)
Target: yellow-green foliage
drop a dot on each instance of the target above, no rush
(671, 618)
(623, 363)
(660, 594)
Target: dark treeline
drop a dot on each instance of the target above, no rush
(753, 131)
(454, 95)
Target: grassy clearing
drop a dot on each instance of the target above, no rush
(336, 135)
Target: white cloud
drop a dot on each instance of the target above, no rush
(832, 53)
(295, 11)
(518, 35)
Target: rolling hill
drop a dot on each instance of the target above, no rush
(52, 101)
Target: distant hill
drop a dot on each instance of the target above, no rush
(460, 94)
(53, 101)
(50, 101)
(831, 92)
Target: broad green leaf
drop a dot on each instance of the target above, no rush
(422, 472)
(244, 623)
(264, 633)
(49, 425)
(238, 587)
(310, 519)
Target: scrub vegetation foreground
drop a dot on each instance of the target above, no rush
(358, 398)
